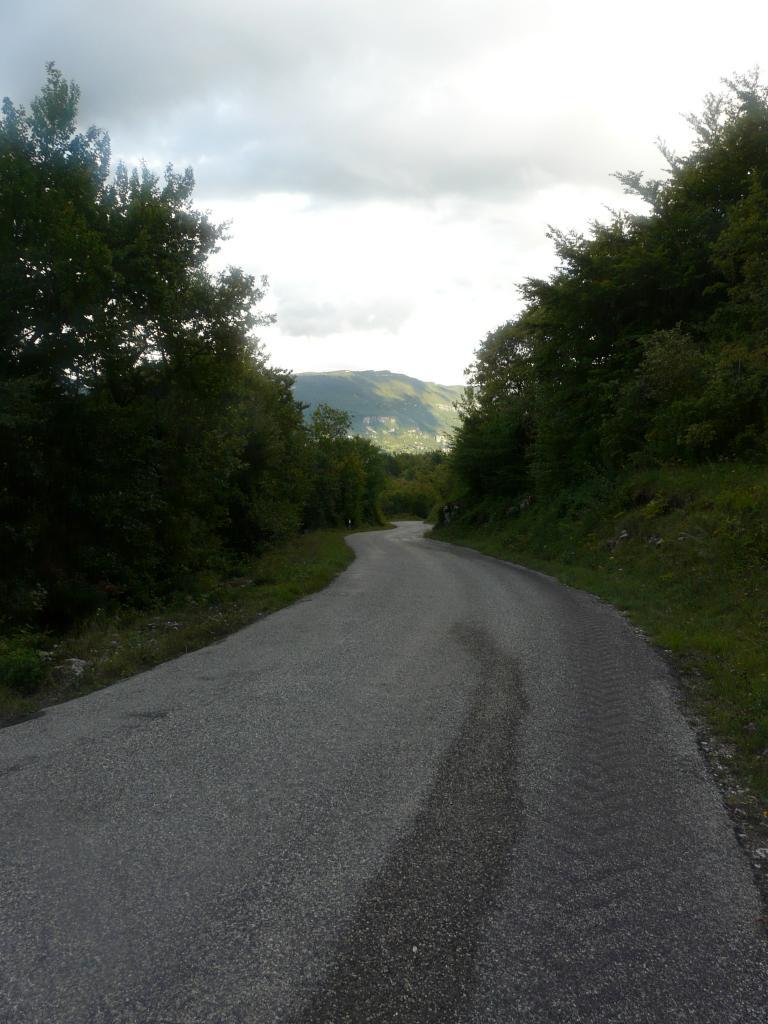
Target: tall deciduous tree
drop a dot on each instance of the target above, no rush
(142, 434)
(648, 342)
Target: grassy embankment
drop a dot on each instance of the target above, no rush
(38, 670)
(684, 552)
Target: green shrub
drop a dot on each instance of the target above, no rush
(21, 667)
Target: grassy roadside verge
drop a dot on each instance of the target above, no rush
(46, 669)
(684, 552)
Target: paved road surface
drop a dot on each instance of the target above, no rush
(443, 790)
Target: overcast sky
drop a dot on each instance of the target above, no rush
(392, 166)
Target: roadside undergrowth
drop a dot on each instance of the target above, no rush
(37, 670)
(684, 553)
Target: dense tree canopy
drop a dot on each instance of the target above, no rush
(415, 483)
(347, 472)
(649, 343)
(142, 433)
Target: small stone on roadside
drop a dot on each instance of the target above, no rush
(73, 666)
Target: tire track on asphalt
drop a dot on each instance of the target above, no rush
(409, 955)
(608, 917)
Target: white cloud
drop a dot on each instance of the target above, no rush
(392, 167)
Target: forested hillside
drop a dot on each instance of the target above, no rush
(398, 413)
(144, 437)
(615, 432)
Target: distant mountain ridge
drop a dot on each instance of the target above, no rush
(397, 412)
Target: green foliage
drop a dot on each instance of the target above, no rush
(649, 343)
(415, 484)
(143, 437)
(490, 451)
(22, 669)
(347, 473)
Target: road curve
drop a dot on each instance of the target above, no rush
(444, 789)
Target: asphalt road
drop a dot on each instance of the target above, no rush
(445, 789)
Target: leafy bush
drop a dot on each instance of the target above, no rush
(21, 667)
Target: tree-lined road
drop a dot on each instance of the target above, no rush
(443, 789)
